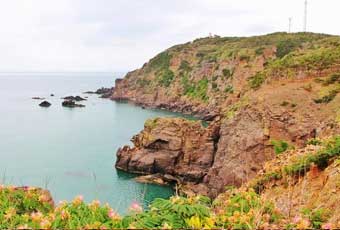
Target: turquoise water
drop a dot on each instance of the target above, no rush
(69, 151)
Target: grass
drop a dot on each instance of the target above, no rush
(280, 146)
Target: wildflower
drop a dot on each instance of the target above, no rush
(43, 198)
(10, 213)
(44, 224)
(166, 226)
(303, 224)
(51, 216)
(135, 207)
(113, 215)
(94, 204)
(297, 219)
(65, 214)
(36, 216)
(327, 226)
(78, 200)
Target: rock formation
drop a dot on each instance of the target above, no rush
(177, 147)
(45, 104)
(71, 104)
(262, 90)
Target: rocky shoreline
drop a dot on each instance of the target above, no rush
(247, 95)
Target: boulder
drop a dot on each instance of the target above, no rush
(71, 104)
(45, 104)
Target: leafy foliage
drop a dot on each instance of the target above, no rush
(166, 77)
(280, 146)
(198, 90)
(256, 81)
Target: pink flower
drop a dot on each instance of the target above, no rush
(297, 219)
(135, 207)
(36, 216)
(65, 215)
(78, 200)
(326, 226)
(113, 215)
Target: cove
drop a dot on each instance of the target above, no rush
(70, 151)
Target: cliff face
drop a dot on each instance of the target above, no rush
(268, 93)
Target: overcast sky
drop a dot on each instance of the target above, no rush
(120, 35)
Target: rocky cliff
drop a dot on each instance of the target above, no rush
(264, 94)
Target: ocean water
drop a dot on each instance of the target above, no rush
(70, 151)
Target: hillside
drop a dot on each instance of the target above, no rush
(267, 155)
(265, 94)
(298, 189)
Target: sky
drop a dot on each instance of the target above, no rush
(121, 35)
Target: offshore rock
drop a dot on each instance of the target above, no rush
(45, 104)
(71, 104)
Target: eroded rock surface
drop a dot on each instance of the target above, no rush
(172, 146)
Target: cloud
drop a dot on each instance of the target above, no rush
(111, 35)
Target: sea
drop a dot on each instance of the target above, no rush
(70, 152)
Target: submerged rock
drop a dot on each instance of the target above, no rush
(71, 104)
(45, 104)
(38, 98)
(76, 98)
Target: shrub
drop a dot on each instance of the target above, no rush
(285, 47)
(259, 51)
(198, 90)
(333, 78)
(327, 98)
(214, 85)
(166, 78)
(227, 73)
(185, 66)
(229, 89)
(257, 80)
(279, 146)
(160, 62)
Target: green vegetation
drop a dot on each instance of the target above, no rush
(257, 80)
(302, 164)
(280, 146)
(166, 77)
(285, 47)
(143, 82)
(327, 98)
(331, 79)
(198, 90)
(229, 89)
(185, 66)
(151, 123)
(316, 217)
(238, 210)
(227, 73)
(160, 62)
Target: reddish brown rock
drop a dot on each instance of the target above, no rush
(174, 146)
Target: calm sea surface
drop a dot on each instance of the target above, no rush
(69, 151)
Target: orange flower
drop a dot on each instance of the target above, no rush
(78, 200)
(36, 216)
(65, 215)
(10, 213)
(45, 224)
